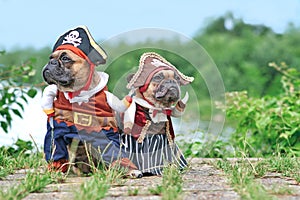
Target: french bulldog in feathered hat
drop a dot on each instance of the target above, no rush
(149, 135)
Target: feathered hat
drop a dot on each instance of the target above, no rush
(150, 63)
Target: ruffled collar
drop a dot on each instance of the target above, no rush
(84, 95)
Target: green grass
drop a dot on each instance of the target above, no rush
(288, 166)
(243, 175)
(281, 190)
(95, 188)
(101, 180)
(171, 187)
(33, 182)
(133, 192)
(9, 162)
(12, 159)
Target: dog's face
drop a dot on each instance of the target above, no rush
(67, 70)
(163, 89)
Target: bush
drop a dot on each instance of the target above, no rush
(267, 125)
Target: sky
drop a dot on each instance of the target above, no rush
(36, 23)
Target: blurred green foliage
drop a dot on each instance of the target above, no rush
(268, 125)
(268, 113)
(263, 126)
(242, 53)
(238, 50)
(19, 147)
(15, 89)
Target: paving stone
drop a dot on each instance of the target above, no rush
(277, 184)
(49, 196)
(201, 181)
(211, 195)
(139, 197)
(142, 185)
(12, 179)
(69, 185)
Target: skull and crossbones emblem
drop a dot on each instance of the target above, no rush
(73, 38)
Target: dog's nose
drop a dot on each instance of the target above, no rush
(53, 62)
(47, 76)
(172, 94)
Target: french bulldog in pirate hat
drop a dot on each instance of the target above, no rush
(148, 132)
(79, 106)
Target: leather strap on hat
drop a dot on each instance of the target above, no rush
(147, 82)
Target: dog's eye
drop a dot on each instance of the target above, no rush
(176, 77)
(158, 78)
(65, 59)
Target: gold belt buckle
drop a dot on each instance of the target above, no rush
(82, 119)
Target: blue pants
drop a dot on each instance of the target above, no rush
(58, 138)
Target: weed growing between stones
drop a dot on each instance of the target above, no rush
(172, 182)
(133, 192)
(12, 159)
(100, 182)
(33, 182)
(243, 175)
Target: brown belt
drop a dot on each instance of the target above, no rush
(84, 119)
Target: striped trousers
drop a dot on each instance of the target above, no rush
(153, 153)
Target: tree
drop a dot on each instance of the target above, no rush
(244, 50)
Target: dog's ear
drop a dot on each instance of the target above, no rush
(129, 77)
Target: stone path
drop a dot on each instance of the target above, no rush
(201, 181)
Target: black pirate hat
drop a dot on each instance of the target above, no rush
(81, 38)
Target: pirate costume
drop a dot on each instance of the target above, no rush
(85, 115)
(148, 132)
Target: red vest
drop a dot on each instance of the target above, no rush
(140, 118)
(94, 115)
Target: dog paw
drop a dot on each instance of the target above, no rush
(58, 166)
(134, 174)
(76, 171)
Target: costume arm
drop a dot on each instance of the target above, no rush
(116, 104)
(47, 100)
(178, 110)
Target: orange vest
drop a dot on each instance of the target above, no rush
(94, 115)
